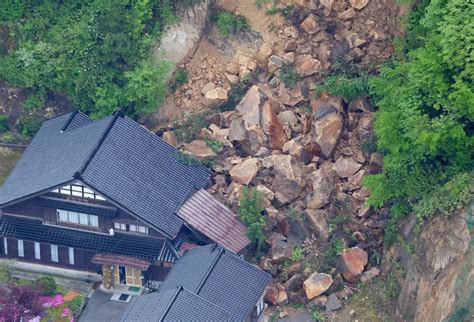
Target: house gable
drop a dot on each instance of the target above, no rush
(115, 157)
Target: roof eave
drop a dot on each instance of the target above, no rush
(36, 194)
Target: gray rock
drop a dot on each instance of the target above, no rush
(333, 304)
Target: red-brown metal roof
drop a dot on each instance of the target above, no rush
(206, 214)
(110, 259)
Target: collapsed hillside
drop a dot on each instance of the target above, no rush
(274, 96)
(253, 108)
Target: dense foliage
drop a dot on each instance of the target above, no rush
(97, 52)
(425, 120)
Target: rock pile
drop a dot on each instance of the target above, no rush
(307, 154)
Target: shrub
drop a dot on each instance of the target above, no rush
(29, 125)
(4, 124)
(317, 315)
(297, 254)
(33, 101)
(329, 255)
(47, 285)
(19, 302)
(227, 22)
(288, 12)
(348, 88)
(76, 304)
(288, 75)
(250, 213)
(215, 146)
(186, 159)
(181, 76)
(7, 137)
(5, 272)
(191, 128)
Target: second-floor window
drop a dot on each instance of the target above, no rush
(54, 253)
(138, 229)
(78, 218)
(133, 228)
(79, 191)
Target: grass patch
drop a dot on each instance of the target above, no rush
(370, 303)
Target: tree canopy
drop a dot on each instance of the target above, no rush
(96, 52)
(424, 123)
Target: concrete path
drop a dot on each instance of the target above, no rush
(100, 308)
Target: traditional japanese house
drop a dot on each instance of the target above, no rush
(109, 196)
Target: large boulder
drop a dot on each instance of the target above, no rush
(323, 189)
(245, 171)
(294, 148)
(280, 249)
(353, 261)
(316, 284)
(274, 63)
(327, 124)
(346, 167)
(359, 4)
(288, 175)
(199, 149)
(306, 65)
(256, 124)
(310, 25)
(318, 218)
(276, 295)
(170, 138)
(291, 96)
(215, 96)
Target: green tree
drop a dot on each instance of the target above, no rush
(97, 52)
(250, 213)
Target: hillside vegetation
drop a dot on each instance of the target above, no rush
(424, 122)
(96, 52)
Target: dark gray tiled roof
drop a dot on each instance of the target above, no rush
(131, 158)
(115, 156)
(220, 277)
(52, 157)
(173, 305)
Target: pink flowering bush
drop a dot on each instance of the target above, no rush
(66, 312)
(52, 301)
